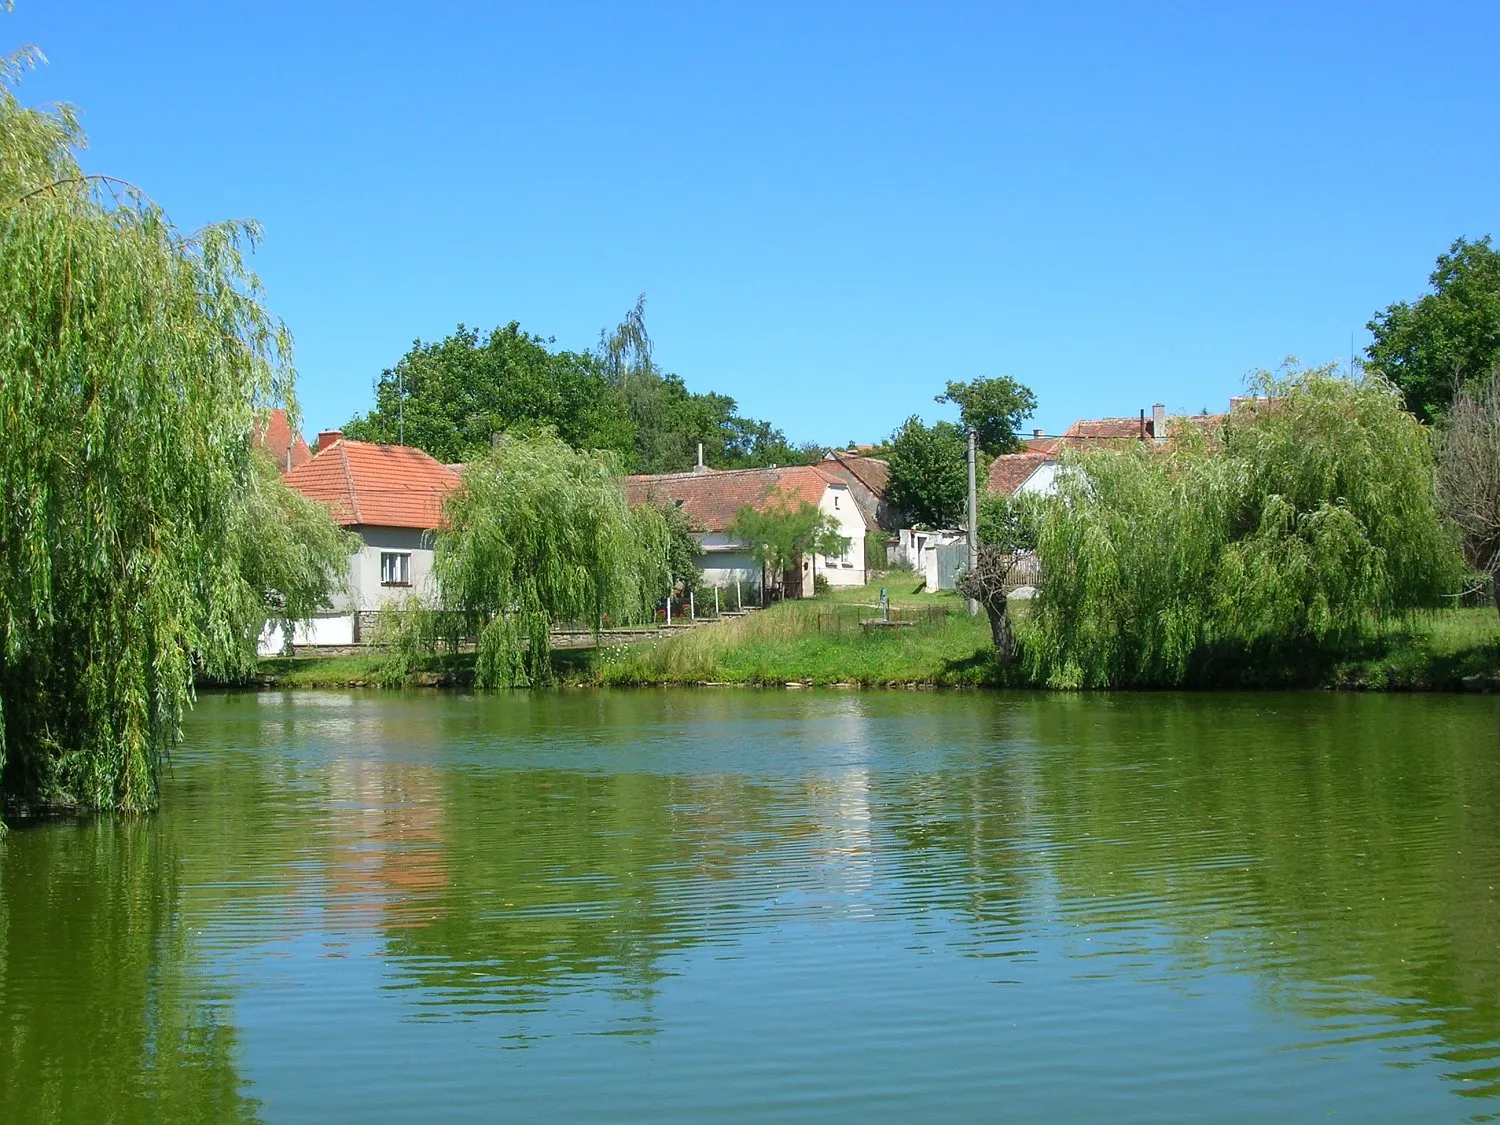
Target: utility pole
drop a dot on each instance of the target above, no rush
(973, 519)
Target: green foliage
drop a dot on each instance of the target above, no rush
(1449, 337)
(134, 360)
(671, 421)
(875, 550)
(540, 533)
(1316, 516)
(929, 476)
(682, 548)
(782, 533)
(292, 557)
(451, 397)
(1010, 523)
(994, 409)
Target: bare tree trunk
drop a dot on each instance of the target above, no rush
(1000, 631)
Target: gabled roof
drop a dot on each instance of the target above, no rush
(371, 485)
(287, 449)
(1010, 471)
(871, 472)
(711, 499)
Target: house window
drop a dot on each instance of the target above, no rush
(835, 500)
(395, 568)
(844, 559)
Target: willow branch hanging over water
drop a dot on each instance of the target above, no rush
(1308, 515)
(133, 360)
(540, 534)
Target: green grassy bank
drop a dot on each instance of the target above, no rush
(821, 642)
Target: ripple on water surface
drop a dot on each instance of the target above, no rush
(764, 906)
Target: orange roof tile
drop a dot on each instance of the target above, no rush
(371, 485)
(1010, 470)
(286, 448)
(871, 472)
(1086, 431)
(711, 499)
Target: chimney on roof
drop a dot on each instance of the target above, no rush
(326, 438)
(1036, 433)
(1159, 423)
(700, 467)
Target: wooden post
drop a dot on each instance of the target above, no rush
(692, 607)
(716, 601)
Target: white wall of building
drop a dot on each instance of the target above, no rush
(1042, 482)
(366, 592)
(849, 568)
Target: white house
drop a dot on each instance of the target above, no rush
(392, 496)
(711, 498)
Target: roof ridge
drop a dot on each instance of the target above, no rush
(343, 451)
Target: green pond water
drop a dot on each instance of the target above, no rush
(771, 906)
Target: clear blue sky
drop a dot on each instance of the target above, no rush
(833, 209)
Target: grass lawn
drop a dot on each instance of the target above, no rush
(821, 641)
(817, 641)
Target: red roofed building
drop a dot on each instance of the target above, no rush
(392, 495)
(276, 437)
(711, 499)
(1035, 469)
(867, 478)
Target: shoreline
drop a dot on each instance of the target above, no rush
(820, 643)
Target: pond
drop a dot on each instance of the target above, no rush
(766, 906)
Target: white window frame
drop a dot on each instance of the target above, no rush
(395, 568)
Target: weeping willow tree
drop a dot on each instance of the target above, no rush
(1312, 514)
(134, 520)
(540, 533)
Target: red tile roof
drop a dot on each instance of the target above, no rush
(712, 499)
(1010, 470)
(1087, 431)
(376, 485)
(286, 448)
(871, 472)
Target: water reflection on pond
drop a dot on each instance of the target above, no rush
(764, 905)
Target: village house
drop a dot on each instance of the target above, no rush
(867, 478)
(392, 497)
(711, 499)
(1034, 469)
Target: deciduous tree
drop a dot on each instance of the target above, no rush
(540, 533)
(1315, 515)
(1468, 459)
(782, 533)
(929, 480)
(132, 506)
(994, 409)
(1432, 348)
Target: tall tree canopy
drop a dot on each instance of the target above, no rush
(540, 533)
(929, 476)
(134, 359)
(1432, 348)
(453, 396)
(994, 409)
(1315, 514)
